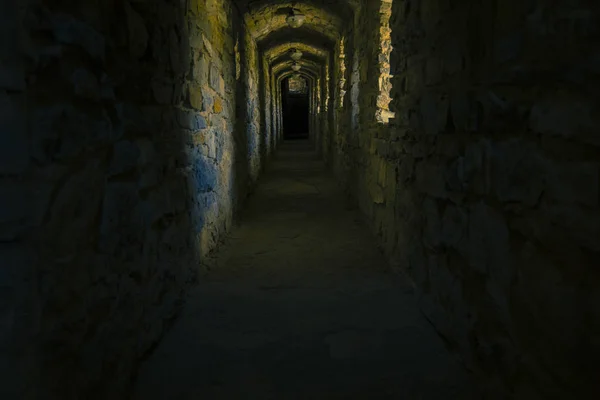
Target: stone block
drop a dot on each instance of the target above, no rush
(190, 119)
(208, 47)
(195, 97)
(200, 68)
(204, 174)
(218, 105)
(208, 100)
(209, 144)
(216, 80)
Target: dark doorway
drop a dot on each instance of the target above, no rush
(295, 107)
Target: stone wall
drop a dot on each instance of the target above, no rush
(484, 190)
(251, 121)
(267, 134)
(16, 269)
(117, 175)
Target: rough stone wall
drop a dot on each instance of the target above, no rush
(273, 108)
(331, 80)
(485, 187)
(267, 132)
(341, 146)
(314, 89)
(252, 120)
(269, 110)
(356, 163)
(277, 107)
(324, 133)
(318, 128)
(338, 135)
(277, 118)
(116, 176)
(16, 267)
(348, 161)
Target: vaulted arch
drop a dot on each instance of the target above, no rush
(276, 50)
(265, 16)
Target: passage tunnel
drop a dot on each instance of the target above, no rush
(295, 99)
(136, 135)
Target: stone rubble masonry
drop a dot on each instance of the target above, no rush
(130, 141)
(484, 189)
(119, 174)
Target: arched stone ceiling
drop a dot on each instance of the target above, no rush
(303, 35)
(285, 73)
(306, 74)
(307, 56)
(325, 16)
(313, 66)
(276, 51)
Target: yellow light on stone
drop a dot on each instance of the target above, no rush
(295, 19)
(296, 67)
(296, 54)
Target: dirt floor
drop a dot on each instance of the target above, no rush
(301, 305)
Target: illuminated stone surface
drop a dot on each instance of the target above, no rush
(133, 133)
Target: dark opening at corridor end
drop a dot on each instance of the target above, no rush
(295, 107)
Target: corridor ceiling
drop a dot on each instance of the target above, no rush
(324, 26)
(325, 16)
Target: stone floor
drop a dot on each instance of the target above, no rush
(300, 305)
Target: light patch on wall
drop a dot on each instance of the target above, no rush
(385, 51)
(327, 95)
(297, 85)
(238, 66)
(318, 85)
(342, 58)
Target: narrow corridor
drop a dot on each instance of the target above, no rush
(439, 212)
(301, 305)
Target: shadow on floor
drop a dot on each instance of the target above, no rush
(301, 305)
